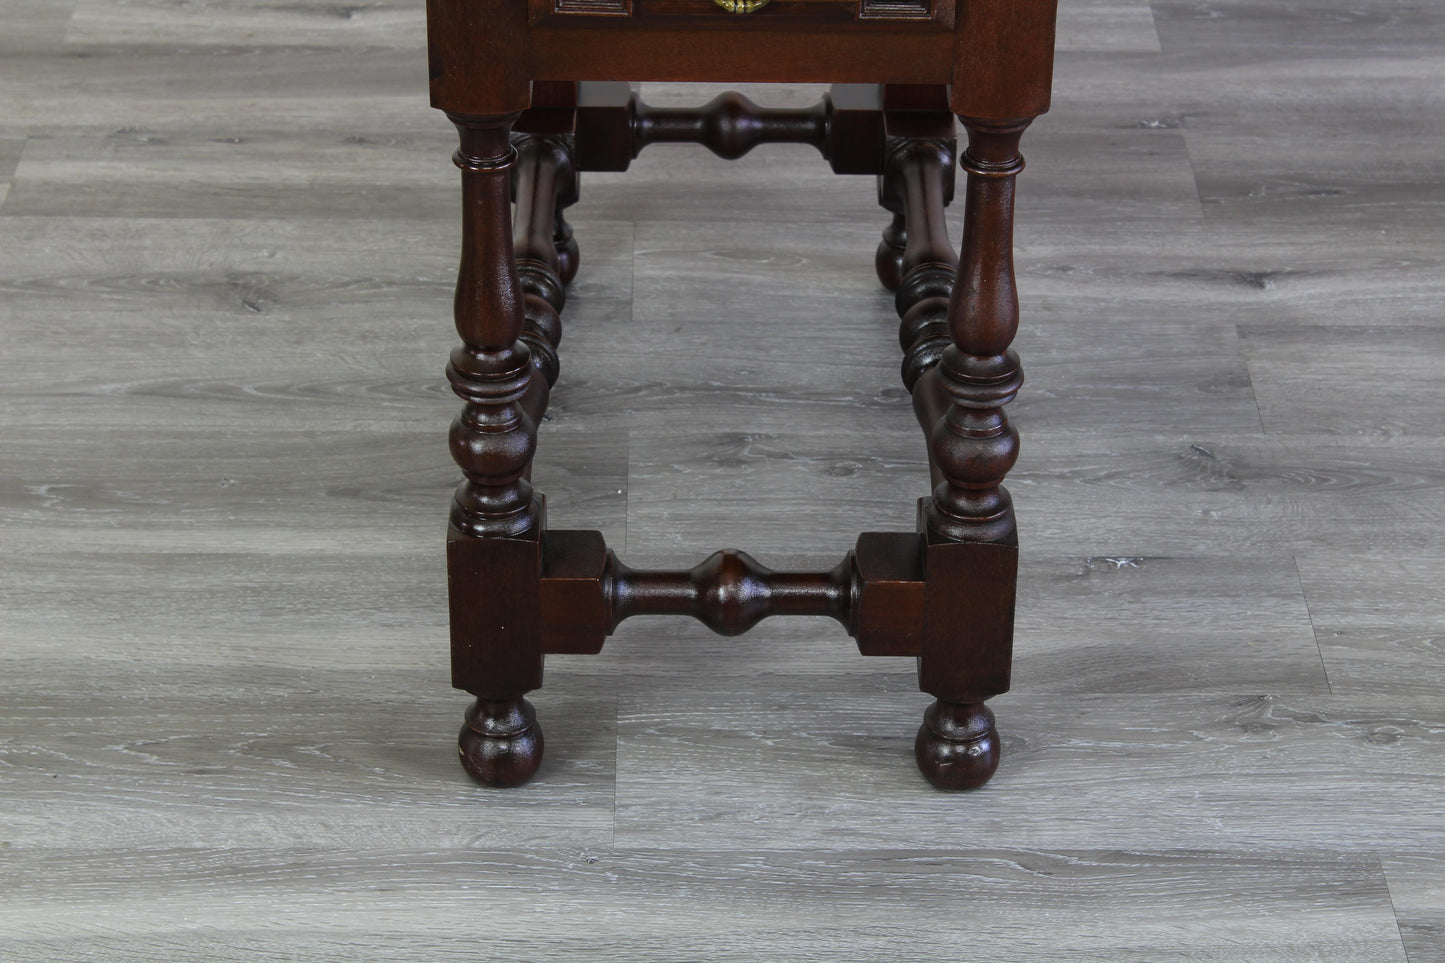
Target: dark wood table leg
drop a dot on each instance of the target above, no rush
(971, 540)
(494, 536)
(914, 118)
(546, 253)
(945, 594)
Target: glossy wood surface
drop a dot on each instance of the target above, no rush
(224, 700)
(997, 55)
(945, 595)
(503, 599)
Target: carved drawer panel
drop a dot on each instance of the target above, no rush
(751, 13)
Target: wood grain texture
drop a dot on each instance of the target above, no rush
(1204, 493)
(1248, 28)
(1160, 624)
(1417, 892)
(1400, 365)
(233, 489)
(718, 905)
(1110, 25)
(376, 23)
(165, 171)
(1379, 621)
(227, 244)
(291, 756)
(760, 769)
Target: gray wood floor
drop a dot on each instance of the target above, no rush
(227, 235)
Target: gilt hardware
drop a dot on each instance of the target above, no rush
(741, 6)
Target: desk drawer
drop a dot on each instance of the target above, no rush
(656, 13)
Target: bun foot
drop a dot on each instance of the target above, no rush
(501, 743)
(957, 745)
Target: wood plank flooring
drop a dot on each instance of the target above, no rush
(228, 232)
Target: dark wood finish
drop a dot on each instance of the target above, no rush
(493, 540)
(855, 128)
(875, 592)
(957, 745)
(476, 57)
(997, 59)
(602, 131)
(739, 49)
(556, 70)
(961, 373)
(730, 592)
(613, 125)
(492, 440)
(940, 10)
(730, 125)
(543, 10)
(1003, 59)
(888, 259)
(915, 258)
(968, 523)
(546, 255)
(973, 445)
(777, 13)
(501, 742)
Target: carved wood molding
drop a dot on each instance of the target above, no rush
(903, 9)
(831, 11)
(541, 10)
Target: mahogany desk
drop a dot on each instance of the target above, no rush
(538, 92)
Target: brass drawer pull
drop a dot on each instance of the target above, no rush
(741, 6)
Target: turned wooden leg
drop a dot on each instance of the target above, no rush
(494, 536)
(915, 119)
(544, 183)
(927, 263)
(888, 259)
(568, 255)
(970, 536)
(915, 259)
(945, 594)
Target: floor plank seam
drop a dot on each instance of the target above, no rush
(1314, 628)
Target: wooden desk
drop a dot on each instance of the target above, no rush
(538, 90)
